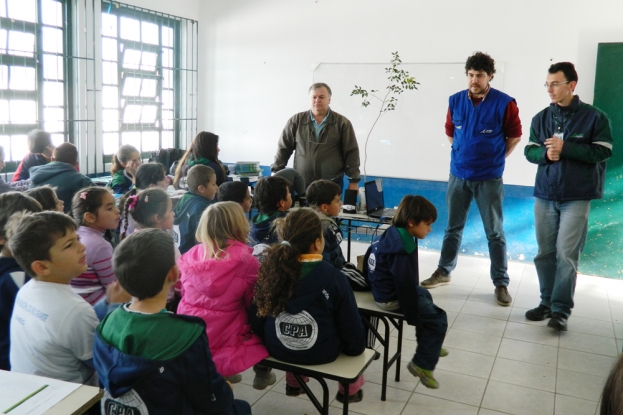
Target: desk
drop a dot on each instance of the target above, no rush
(367, 307)
(78, 402)
(357, 217)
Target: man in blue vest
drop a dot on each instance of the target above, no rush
(483, 127)
(570, 141)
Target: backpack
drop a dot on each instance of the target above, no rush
(167, 156)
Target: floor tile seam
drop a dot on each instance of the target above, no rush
(557, 339)
(450, 400)
(408, 400)
(581, 373)
(576, 397)
(527, 363)
(478, 315)
(467, 331)
(596, 354)
(590, 334)
(522, 386)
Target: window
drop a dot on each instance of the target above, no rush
(142, 78)
(33, 91)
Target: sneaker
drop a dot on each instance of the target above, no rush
(264, 377)
(558, 321)
(233, 379)
(435, 280)
(355, 397)
(539, 314)
(426, 376)
(294, 391)
(502, 296)
(443, 352)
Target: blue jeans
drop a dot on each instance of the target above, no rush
(489, 195)
(561, 229)
(430, 332)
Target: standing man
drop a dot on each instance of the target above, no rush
(483, 127)
(570, 141)
(324, 142)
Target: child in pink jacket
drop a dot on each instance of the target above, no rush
(218, 280)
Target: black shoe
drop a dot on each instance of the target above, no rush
(539, 314)
(294, 391)
(356, 397)
(558, 321)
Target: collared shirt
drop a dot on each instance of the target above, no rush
(318, 127)
(478, 100)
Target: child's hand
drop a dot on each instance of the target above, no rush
(230, 385)
(116, 294)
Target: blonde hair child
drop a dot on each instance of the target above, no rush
(218, 279)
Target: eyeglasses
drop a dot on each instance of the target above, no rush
(554, 84)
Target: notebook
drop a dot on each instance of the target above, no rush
(375, 203)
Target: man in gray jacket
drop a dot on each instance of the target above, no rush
(324, 142)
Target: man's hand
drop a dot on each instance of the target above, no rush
(353, 186)
(554, 147)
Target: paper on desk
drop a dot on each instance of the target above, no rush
(15, 387)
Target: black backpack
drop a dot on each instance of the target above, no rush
(167, 156)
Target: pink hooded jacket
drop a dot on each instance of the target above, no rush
(220, 291)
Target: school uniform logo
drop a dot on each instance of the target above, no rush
(127, 404)
(371, 262)
(296, 331)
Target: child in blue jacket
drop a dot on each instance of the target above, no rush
(394, 278)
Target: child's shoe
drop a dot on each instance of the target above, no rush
(264, 377)
(443, 352)
(355, 397)
(233, 379)
(294, 391)
(426, 376)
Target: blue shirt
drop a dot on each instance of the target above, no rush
(318, 127)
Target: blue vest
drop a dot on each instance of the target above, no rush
(479, 145)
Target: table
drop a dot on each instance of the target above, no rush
(78, 402)
(381, 225)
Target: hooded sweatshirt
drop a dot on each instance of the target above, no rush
(321, 320)
(159, 364)
(187, 214)
(220, 291)
(393, 270)
(63, 176)
(29, 160)
(12, 278)
(261, 227)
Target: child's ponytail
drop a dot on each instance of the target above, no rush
(280, 272)
(87, 200)
(144, 207)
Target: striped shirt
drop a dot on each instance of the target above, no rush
(91, 285)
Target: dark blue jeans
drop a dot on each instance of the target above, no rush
(489, 195)
(430, 332)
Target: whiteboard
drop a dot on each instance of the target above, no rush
(408, 142)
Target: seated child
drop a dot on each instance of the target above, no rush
(202, 189)
(19, 186)
(124, 164)
(296, 180)
(46, 196)
(236, 192)
(147, 176)
(40, 147)
(62, 173)
(297, 290)
(325, 196)
(394, 278)
(218, 277)
(52, 328)
(273, 199)
(12, 276)
(95, 211)
(149, 360)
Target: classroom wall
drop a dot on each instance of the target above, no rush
(257, 57)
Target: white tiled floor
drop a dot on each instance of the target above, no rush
(499, 362)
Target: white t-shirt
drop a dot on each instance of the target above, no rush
(52, 331)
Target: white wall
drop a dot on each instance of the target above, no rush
(256, 56)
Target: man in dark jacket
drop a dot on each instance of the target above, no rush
(570, 141)
(62, 173)
(323, 141)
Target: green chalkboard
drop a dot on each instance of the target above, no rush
(603, 254)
